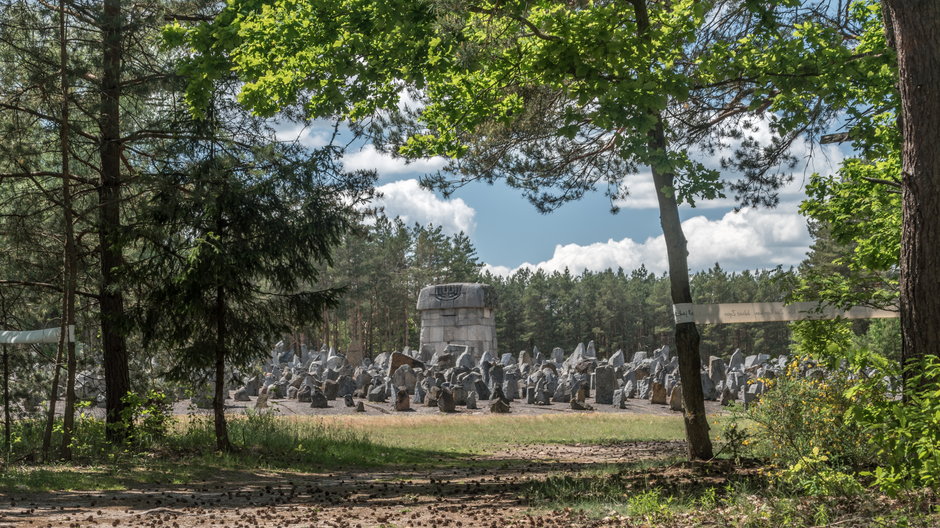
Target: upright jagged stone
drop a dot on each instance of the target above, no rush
(675, 398)
(604, 385)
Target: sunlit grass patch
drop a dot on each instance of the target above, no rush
(298, 443)
(476, 433)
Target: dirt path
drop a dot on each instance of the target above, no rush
(485, 493)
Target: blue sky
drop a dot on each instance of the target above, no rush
(509, 233)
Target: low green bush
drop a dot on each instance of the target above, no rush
(834, 424)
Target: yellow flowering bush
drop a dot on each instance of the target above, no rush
(834, 423)
(804, 426)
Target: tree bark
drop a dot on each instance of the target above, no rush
(218, 402)
(70, 265)
(6, 401)
(117, 378)
(687, 336)
(50, 413)
(913, 26)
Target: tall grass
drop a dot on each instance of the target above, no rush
(302, 443)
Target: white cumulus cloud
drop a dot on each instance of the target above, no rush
(368, 158)
(407, 200)
(312, 136)
(501, 271)
(811, 158)
(750, 239)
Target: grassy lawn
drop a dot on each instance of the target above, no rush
(466, 434)
(321, 444)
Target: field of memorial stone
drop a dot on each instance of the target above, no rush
(406, 440)
(450, 380)
(446, 436)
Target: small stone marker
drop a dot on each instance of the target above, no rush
(330, 389)
(499, 406)
(242, 395)
(675, 398)
(581, 406)
(433, 394)
(318, 400)
(402, 400)
(620, 399)
(583, 393)
(378, 394)
(727, 397)
(404, 376)
(708, 387)
(604, 385)
(445, 401)
(472, 400)
(657, 393)
(262, 401)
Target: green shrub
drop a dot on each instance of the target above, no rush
(831, 432)
(798, 414)
(151, 415)
(906, 434)
(802, 425)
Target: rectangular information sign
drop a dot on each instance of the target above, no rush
(770, 312)
(28, 337)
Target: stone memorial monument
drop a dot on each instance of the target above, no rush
(458, 314)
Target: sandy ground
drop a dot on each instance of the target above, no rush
(485, 495)
(337, 407)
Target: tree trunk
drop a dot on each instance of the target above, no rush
(70, 266)
(116, 375)
(687, 336)
(404, 326)
(6, 400)
(218, 402)
(50, 413)
(913, 27)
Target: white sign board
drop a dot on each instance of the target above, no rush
(28, 337)
(770, 312)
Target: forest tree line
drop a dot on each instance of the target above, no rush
(384, 265)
